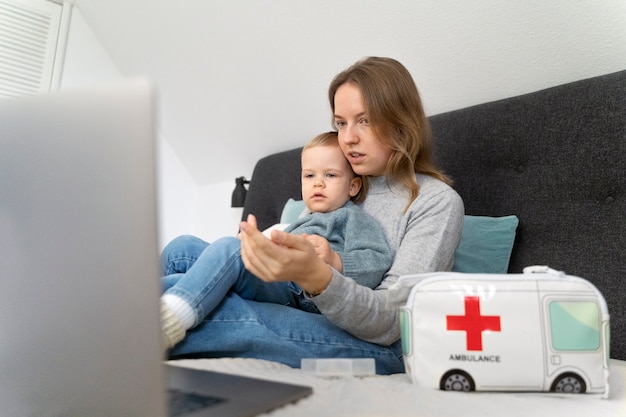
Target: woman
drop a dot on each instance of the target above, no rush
(384, 134)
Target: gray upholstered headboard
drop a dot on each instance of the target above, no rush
(556, 158)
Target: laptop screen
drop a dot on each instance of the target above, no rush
(78, 231)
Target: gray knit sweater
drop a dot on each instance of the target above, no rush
(424, 239)
(357, 238)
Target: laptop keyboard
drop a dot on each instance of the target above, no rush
(181, 403)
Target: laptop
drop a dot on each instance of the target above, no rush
(79, 304)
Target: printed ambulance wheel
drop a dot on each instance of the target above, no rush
(569, 383)
(457, 380)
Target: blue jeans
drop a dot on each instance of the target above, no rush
(203, 274)
(251, 318)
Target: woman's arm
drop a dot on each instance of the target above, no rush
(431, 233)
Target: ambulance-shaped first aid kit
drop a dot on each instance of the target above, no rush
(541, 330)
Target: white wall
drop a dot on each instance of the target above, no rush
(86, 61)
(184, 208)
(261, 71)
(244, 78)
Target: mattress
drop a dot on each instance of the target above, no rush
(396, 395)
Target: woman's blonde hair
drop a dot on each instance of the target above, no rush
(396, 114)
(332, 139)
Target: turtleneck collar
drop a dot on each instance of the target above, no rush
(379, 185)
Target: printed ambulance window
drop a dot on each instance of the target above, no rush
(575, 325)
(405, 331)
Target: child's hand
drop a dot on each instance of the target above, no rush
(324, 251)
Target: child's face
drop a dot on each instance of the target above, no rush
(327, 180)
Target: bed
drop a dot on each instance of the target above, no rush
(555, 159)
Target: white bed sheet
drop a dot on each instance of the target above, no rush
(395, 395)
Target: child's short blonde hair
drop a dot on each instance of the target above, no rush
(323, 139)
(332, 139)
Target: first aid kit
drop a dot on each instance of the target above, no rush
(541, 330)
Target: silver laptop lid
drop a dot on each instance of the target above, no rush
(79, 321)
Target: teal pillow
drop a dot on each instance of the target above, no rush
(485, 247)
(486, 244)
(291, 211)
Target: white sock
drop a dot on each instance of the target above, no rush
(181, 309)
(172, 329)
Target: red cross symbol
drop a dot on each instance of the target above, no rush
(473, 323)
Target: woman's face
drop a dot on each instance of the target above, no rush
(361, 147)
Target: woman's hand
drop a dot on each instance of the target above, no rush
(284, 257)
(325, 252)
